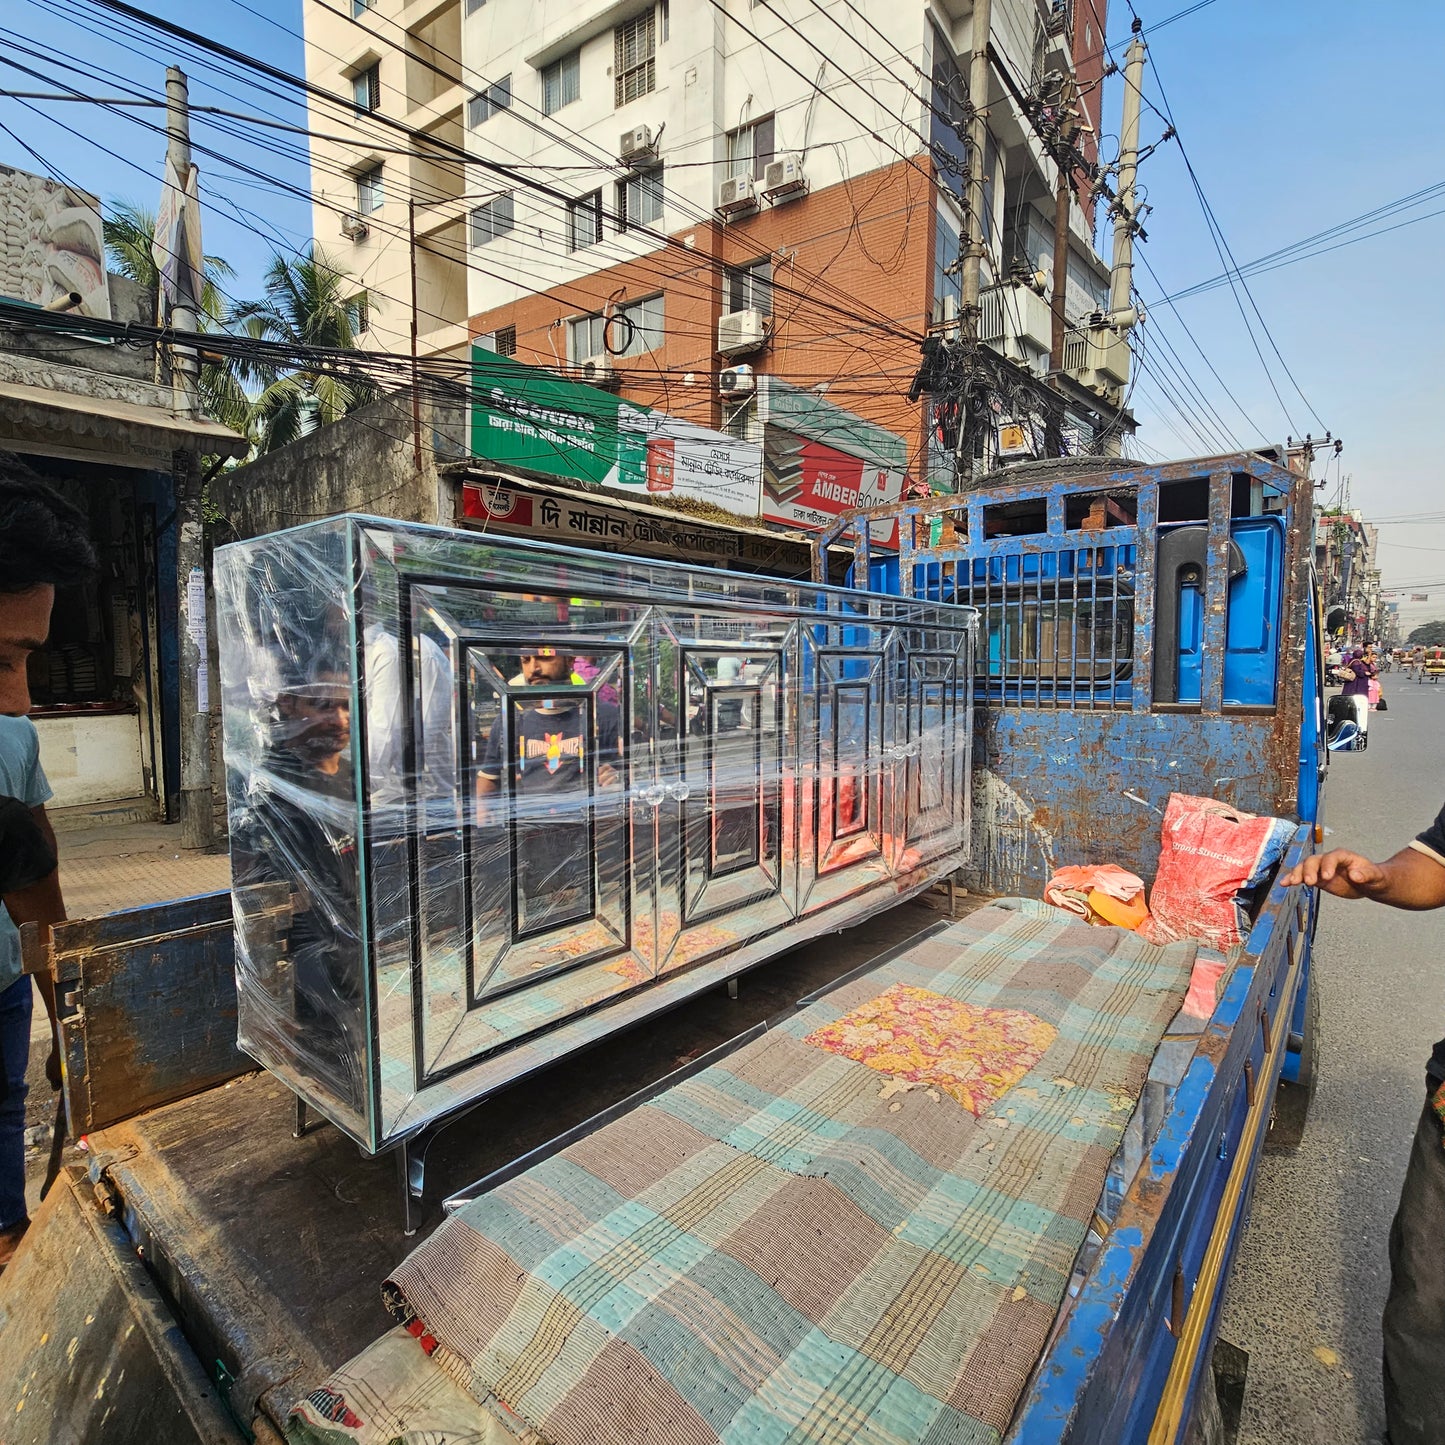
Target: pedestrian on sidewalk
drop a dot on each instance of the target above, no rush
(1414, 1321)
(43, 544)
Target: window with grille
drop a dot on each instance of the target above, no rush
(634, 66)
(639, 199)
(492, 219)
(505, 341)
(486, 103)
(366, 88)
(750, 288)
(749, 149)
(584, 221)
(369, 192)
(561, 82)
(584, 338)
(361, 314)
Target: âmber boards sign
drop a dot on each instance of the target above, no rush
(526, 418)
(809, 484)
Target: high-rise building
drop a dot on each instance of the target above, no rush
(389, 205)
(733, 210)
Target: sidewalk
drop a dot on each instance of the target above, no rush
(109, 868)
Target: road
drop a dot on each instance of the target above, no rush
(1312, 1273)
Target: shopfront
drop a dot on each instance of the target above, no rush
(106, 689)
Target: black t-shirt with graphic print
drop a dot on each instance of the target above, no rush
(550, 749)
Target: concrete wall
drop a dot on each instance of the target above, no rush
(128, 303)
(363, 463)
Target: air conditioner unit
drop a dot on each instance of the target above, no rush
(597, 371)
(635, 145)
(784, 177)
(736, 381)
(741, 331)
(354, 228)
(737, 193)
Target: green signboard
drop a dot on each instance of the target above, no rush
(530, 420)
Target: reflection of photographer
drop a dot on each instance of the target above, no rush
(550, 790)
(297, 826)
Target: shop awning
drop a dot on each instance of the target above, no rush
(85, 428)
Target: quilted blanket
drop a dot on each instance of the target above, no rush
(859, 1226)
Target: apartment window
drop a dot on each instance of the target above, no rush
(369, 193)
(584, 338)
(646, 331)
(360, 7)
(634, 65)
(492, 219)
(561, 82)
(750, 288)
(504, 341)
(486, 103)
(471, 7)
(639, 199)
(366, 88)
(584, 222)
(749, 149)
(361, 314)
(635, 328)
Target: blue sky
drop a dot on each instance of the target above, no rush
(1296, 116)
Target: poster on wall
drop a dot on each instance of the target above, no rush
(529, 419)
(51, 244)
(810, 485)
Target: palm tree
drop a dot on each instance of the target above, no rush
(308, 303)
(130, 234)
(129, 243)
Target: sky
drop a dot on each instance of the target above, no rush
(1296, 116)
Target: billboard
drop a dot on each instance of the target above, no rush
(529, 419)
(51, 244)
(809, 484)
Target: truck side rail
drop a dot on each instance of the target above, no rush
(1129, 1354)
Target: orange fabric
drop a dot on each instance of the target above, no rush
(1128, 914)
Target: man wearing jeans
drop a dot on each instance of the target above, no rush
(22, 779)
(1414, 1323)
(43, 544)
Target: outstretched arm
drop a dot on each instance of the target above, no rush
(1409, 879)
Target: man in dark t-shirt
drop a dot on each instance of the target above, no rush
(1414, 1323)
(550, 790)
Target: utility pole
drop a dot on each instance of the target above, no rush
(1061, 266)
(971, 281)
(1121, 276)
(415, 369)
(978, 78)
(185, 370)
(197, 823)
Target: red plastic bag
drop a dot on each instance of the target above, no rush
(1208, 851)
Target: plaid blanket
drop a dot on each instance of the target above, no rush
(857, 1227)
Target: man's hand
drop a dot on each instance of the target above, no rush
(1409, 879)
(1345, 874)
(607, 776)
(52, 1065)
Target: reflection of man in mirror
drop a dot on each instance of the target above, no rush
(297, 826)
(549, 771)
